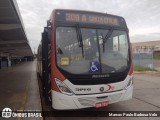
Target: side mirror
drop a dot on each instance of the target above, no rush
(48, 23)
(47, 34)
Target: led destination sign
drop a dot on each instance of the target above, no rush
(89, 17)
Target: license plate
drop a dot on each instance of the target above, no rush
(102, 104)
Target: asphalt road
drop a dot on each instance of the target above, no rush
(146, 97)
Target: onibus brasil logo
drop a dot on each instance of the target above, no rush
(7, 113)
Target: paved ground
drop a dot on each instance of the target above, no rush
(19, 90)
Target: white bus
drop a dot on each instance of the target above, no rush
(84, 60)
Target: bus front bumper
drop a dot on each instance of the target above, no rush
(64, 102)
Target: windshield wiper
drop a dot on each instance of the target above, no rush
(79, 36)
(105, 39)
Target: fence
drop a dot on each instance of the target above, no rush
(143, 59)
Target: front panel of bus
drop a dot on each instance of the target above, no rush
(94, 59)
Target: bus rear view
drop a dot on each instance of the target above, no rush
(90, 60)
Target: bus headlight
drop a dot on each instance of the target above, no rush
(63, 88)
(129, 83)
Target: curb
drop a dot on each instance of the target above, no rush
(145, 72)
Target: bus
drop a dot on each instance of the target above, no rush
(84, 60)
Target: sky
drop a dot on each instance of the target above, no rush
(142, 16)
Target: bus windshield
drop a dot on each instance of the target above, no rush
(99, 55)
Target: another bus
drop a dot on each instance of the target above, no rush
(84, 60)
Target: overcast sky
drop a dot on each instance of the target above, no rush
(142, 16)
